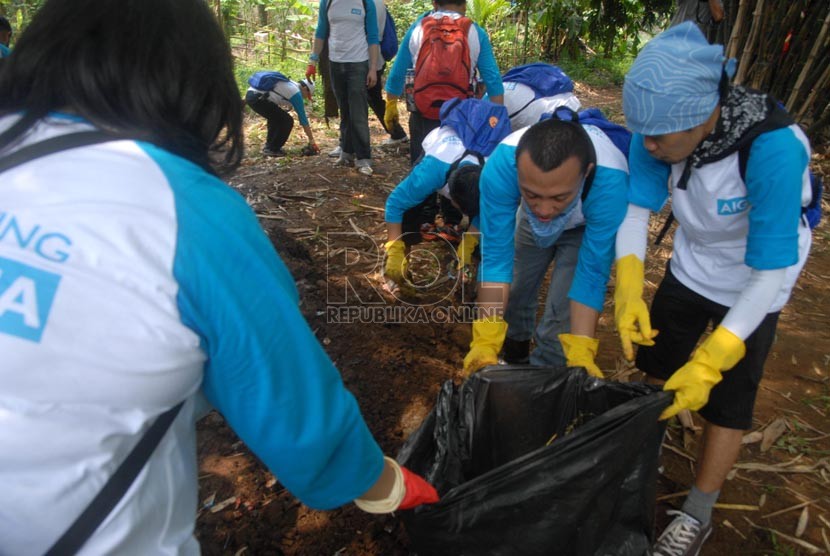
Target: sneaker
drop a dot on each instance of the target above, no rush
(268, 152)
(684, 536)
(335, 152)
(389, 142)
(364, 166)
(345, 159)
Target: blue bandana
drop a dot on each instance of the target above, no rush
(673, 84)
(545, 234)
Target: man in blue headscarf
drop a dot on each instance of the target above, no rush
(737, 168)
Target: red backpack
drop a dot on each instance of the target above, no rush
(443, 69)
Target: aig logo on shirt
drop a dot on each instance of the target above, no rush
(728, 207)
(357, 11)
(26, 296)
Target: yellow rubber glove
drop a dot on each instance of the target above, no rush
(465, 250)
(488, 337)
(693, 381)
(580, 351)
(390, 117)
(630, 311)
(395, 268)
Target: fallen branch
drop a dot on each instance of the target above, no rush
(791, 508)
(812, 549)
(679, 452)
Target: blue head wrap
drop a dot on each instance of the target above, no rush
(673, 84)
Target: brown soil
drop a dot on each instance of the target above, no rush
(395, 371)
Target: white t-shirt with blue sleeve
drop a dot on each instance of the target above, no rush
(130, 280)
(349, 26)
(727, 227)
(442, 148)
(481, 56)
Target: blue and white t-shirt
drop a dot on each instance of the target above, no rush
(481, 56)
(442, 147)
(130, 280)
(727, 227)
(287, 95)
(349, 26)
(601, 213)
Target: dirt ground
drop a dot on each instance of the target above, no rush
(777, 500)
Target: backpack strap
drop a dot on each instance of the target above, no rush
(454, 166)
(113, 491)
(520, 110)
(54, 145)
(85, 524)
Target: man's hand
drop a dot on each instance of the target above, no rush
(395, 268)
(310, 150)
(580, 351)
(488, 337)
(406, 490)
(371, 78)
(692, 383)
(465, 250)
(630, 311)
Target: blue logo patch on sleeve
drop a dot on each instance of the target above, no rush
(728, 207)
(26, 296)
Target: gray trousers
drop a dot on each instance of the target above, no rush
(530, 264)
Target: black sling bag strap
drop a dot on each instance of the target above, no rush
(85, 525)
(106, 499)
(54, 145)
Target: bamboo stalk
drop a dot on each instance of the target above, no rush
(809, 63)
(734, 38)
(749, 47)
(819, 88)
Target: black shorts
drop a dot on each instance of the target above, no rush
(682, 316)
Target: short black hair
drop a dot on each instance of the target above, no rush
(551, 142)
(463, 186)
(5, 25)
(153, 70)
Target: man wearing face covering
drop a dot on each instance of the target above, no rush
(736, 166)
(554, 192)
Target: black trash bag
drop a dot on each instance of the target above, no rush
(532, 460)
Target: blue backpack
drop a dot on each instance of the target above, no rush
(546, 80)
(618, 135)
(389, 41)
(480, 124)
(266, 80)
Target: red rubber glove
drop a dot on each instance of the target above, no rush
(311, 71)
(418, 491)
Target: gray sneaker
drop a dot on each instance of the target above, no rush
(335, 152)
(684, 536)
(345, 159)
(364, 166)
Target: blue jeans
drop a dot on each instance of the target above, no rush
(530, 264)
(348, 80)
